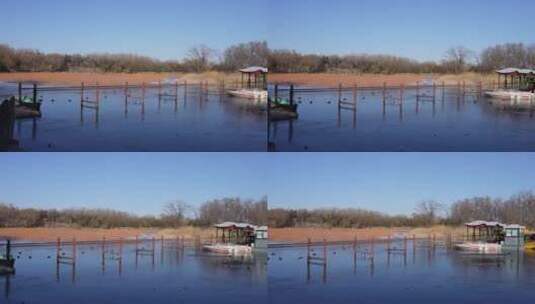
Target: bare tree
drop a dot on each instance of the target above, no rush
(458, 58)
(429, 212)
(175, 212)
(199, 57)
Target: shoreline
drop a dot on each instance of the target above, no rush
(96, 234)
(76, 78)
(335, 79)
(348, 234)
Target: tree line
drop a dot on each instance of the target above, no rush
(456, 60)
(257, 53)
(198, 59)
(518, 209)
(174, 214)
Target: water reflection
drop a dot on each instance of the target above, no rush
(192, 119)
(140, 273)
(446, 120)
(418, 272)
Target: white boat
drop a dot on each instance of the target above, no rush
(510, 95)
(475, 247)
(229, 249)
(249, 94)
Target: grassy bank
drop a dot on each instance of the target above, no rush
(346, 234)
(68, 78)
(89, 234)
(333, 79)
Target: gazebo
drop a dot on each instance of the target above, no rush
(235, 233)
(484, 231)
(516, 79)
(254, 78)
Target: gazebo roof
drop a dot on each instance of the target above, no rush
(510, 71)
(229, 225)
(484, 224)
(254, 69)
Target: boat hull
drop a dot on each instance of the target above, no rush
(479, 248)
(249, 94)
(510, 95)
(228, 250)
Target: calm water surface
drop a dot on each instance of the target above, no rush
(451, 123)
(211, 122)
(187, 277)
(423, 276)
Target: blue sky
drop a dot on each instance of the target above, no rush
(139, 183)
(420, 29)
(142, 183)
(160, 28)
(166, 29)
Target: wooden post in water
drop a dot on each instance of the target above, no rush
(443, 91)
(434, 91)
(176, 91)
(98, 97)
(143, 88)
(82, 95)
(185, 90)
(58, 250)
(103, 253)
(20, 91)
(339, 95)
(384, 92)
(355, 95)
(35, 93)
(291, 95)
(74, 252)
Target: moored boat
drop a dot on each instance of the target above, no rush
(510, 95)
(228, 249)
(281, 109)
(477, 247)
(255, 94)
(7, 263)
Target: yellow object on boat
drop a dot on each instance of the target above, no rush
(530, 246)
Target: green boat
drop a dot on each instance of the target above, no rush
(7, 262)
(281, 109)
(28, 102)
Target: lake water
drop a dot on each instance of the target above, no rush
(422, 276)
(451, 123)
(208, 122)
(175, 277)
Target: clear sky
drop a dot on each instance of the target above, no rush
(165, 29)
(420, 29)
(142, 183)
(138, 183)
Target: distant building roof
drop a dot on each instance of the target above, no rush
(254, 69)
(514, 226)
(509, 71)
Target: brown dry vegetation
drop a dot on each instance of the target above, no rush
(88, 234)
(333, 79)
(347, 234)
(71, 78)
